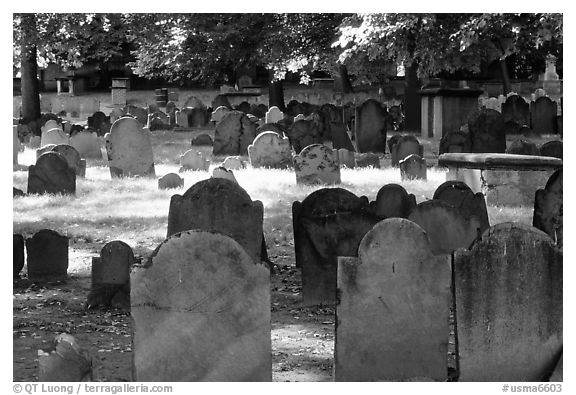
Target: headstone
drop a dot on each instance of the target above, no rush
(47, 256)
(69, 362)
(393, 309)
(302, 134)
(100, 122)
(219, 205)
(158, 121)
(87, 145)
(111, 276)
(274, 115)
(346, 158)
(317, 164)
(17, 192)
(244, 107)
(270, 150)
(116, 114)
(405, 146)
(194, 160)
(543, 113)
(220, 100)
(193, 102)
(17, 254)
(44, 149)
(328, 223)
(455, 142)
(182, 118)
(222, 172)
(129, 149)
(233, 134)
(392, 200)
(515, 108)
(201, 311)
(233, 163)
(459, 195)
(413, 167)
(339, 137)
(140, 113)
(552, 149)
(487, 132)
(198, 117)
(522, 147)
(368, 160)
(528, 133)
(508, 297)
(51, 174)
(271, 127)
(54, 136)
(170, 181)
(202, 139)
(548, 208)
(72, 158)
(51, 124)
(34, 142)
(371, 127)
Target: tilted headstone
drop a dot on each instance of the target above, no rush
(72, 158)
(233, 163)
(219, 113)
(371, 127)
(368, 160)
(270, 150)
(413, 167)
(543, 113)
(405, 146)
(487, 132)
(69, 362)
(194, 160)
(54, 136)
(454, 142)
(447, 227)
(202, 139)
(522, 147)
(170, 181)
(548, 208)
(552, 149)
(274, 115)
(47, 256)
(220, 205)
(302, 134)
(129, 149)
(394, 307)
(346, 158)
(515, 108)
(508, 297)
(201, 311)
(17, 254)
(111, 276)
(233, 134)
(339, 137)
(87, 145)
(51, 174)
(317, 164)
(392, 200)
(222, 172)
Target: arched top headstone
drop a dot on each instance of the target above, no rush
(327, 201)
(315, 164)
(461, 196)
(552, 149)
(129, 149)
(269, 149)
(69, 153)
(392, 200)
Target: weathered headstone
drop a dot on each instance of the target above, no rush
(371, 127)
(233, 134)
(182, 118)
(522, 147)
(139, 113)
(51, 174)
(405, 145)
(201, 310)
(50, 124)
(47, 256)
(302, 134)
(100, 122)
(198, 117)
(346, 158)
(459, 195)
(317, 164)
(271, 150)
(543, 113)
(393, 309)
(487, 132)
(515, 108)
(111, 276)
(219, 113)
(72, 158)
(69, 362)
(392, 200)
(87, 145)
(274, 115)
(194, 160)
(368, 159)
(548, 208)
(193, 102)
(508, 297)
(218, 204)
(455, 142)
(413, 167)
(552, 149)
(328, 223)
(221, 100)
(17, 254)
(44, 149)
(170, 181)
(202, 139)
(233, 163)
(54, 136)
(271, 127)
(129, 149)
(222, 172)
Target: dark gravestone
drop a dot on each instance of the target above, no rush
(221, 100)
(446, 226)
(552, 149)
(198, 117)
(371, 127)
(459, 195)
(368, 159)
(393, 140)
(202, 139)
(523, 147)
(543, 113)
(454, 142)
(220, 205)
(405, 146)
(413, 167)
(259, 110)
(194, 102)
(17, 254)
(100, 123)
(302, 134)
(51, 174)
(294, 107)
(508, 297)
(233, 134)
(111, 276)
(328, 223)
(516, 109)
(392, 200)
(47, 256)
(72, 157)
(339, 137)
(394, 306)
(140, 113)
(170, 181)
(244, 107)
(329, 115)
(17, 192)
(487, 131)
(395, 118)
(548, 208)
(158, 121)
(271, 127)
(527, 132)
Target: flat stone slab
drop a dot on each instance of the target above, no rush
(491, 161)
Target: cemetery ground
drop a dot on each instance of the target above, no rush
(135, 211)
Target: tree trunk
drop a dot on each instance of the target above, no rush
(343, 80)
(30, 88)
(412, 106)
(276, 93)
(506, 83)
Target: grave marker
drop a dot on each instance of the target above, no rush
(47, 256)
(270, 150)
(51, 174)
(317, 164)
(548, 208)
